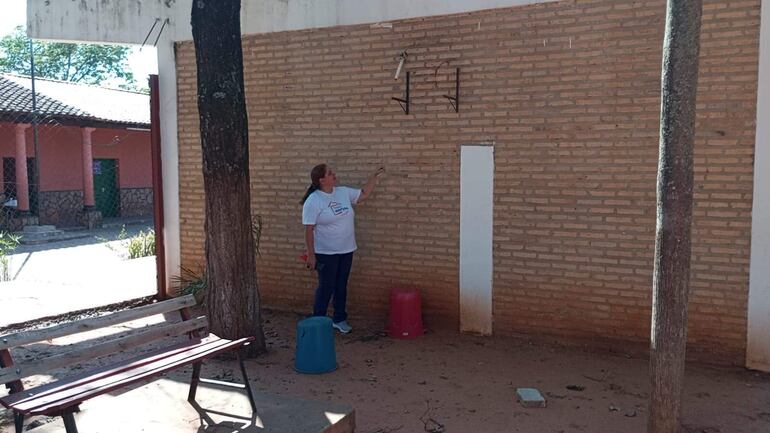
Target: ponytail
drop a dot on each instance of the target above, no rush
(311, 189)
(316, 174)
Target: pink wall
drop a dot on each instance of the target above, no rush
(8, 143)
(131, 149)
(61, 165)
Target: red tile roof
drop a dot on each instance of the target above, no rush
(57, 100)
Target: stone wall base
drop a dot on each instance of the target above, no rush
(18, 223)
(136, 202)
(61, 208)
(91, 219)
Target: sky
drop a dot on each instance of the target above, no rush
(142, 63)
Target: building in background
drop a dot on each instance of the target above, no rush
(92, 153)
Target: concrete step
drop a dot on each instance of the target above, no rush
(39, 229)
(33, 235)
(117, 223)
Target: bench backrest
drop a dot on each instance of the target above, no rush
(11, 373)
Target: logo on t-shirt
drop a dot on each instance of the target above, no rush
(338, 208)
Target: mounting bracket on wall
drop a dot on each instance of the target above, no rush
(454, 101)
(404, 103)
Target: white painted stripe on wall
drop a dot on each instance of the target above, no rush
(123, 21)
(476, 193)
(758, 332)
(274, 16)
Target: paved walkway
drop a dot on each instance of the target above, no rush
(59, 277)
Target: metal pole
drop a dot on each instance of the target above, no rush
(157, 187)
(36, 177)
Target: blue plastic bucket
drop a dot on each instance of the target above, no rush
(315, 346)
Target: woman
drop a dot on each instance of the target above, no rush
(327, 214)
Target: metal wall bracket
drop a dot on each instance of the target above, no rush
(454, 101)
(404, 103)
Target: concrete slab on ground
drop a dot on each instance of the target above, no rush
(24, 300)
(530, 397)
(161, 406)
(76, 274)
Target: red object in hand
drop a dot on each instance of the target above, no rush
(303, 257)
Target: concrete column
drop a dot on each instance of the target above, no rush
(22, 184)
(170, 160)
(758, 329)
(88, 170)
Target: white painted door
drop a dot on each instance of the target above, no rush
(476, 186)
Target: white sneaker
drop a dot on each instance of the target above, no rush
(343, 326)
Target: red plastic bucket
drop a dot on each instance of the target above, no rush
(405, 314)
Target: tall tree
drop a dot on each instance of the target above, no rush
(671, 276)
(83, 63)
(232, 296)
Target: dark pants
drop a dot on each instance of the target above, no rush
(333, 271)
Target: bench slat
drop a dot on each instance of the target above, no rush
(146, 372)
(120, 344)
(29, 337)
(101, 372)
(53, 403)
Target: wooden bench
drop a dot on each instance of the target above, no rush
(63, 396)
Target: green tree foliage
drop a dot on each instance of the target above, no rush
(82, 63)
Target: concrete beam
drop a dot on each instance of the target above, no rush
(129, 22)
(110, 21)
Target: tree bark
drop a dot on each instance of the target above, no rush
(671, 276)
(232, 296)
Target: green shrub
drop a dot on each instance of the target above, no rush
(191, 282)
(141, 245)
(8, 243)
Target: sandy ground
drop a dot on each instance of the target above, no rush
(468, 384)
(448, 382)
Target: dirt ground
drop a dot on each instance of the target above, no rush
(468, 384)
(447, 382)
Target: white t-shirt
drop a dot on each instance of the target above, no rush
(332, 215)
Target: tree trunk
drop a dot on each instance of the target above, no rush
(232, 296)
(671, 276)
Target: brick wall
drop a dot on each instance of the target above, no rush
(569, 93)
